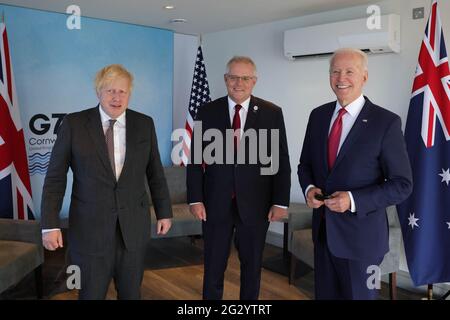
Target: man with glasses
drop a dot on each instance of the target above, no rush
(112, 151)
(237, 197)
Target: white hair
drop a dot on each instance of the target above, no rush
(360, 53)
(241, 59)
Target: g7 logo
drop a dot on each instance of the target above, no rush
(44, 123)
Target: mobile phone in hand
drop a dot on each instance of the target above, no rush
(322, 197)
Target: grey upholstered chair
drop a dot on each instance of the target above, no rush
(183, 223)
(301, 246)
(20, 252)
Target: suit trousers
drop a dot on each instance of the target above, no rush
(125, 267)
(249, 241)
(338, 278)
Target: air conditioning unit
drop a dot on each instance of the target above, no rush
(326, 38)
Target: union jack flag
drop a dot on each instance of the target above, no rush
(199, 96)
(425, 215)
(15, 188)
(433, 79)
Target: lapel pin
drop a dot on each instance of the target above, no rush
(364, 120)
(255, 108)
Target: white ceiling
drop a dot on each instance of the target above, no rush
(203, 16)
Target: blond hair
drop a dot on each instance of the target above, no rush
(110, 73)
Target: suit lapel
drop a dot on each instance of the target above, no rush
(252, 113)
(95, 130)
(131, 141)
(224, 114)
(323, 141)
(356, 131)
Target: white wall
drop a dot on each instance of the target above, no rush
(299, 86)
(185, 51)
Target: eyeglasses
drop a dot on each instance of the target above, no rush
(113, 92)
(233, 78)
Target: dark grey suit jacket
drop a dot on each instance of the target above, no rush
(98, 201)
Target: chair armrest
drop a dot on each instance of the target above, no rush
(300, 217)
(20, 230)
(391, 261)
(393, 216)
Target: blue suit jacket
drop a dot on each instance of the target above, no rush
(372, 163)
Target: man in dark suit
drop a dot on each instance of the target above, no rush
(238, 196)
(112, 152)
(353, 165)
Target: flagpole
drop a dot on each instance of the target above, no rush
(430, 292)
(430, 286)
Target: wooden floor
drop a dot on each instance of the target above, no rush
(185, 283)
(174, 271)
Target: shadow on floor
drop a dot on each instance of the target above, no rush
(161, 254)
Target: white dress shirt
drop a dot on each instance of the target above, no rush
(348, 120)
(242, 112)
(119, 138)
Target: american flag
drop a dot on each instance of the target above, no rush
(15, 187)
(199, 96)
(425, 215)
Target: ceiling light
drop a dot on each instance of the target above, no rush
(169, 7)
(178, 21)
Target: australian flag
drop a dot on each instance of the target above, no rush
(15, 187)
(425, 215)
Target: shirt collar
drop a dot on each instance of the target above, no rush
(105, 118)
(352, 108)
(232, 104)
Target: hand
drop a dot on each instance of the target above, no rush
(311, 201)
(198, 210)
(339, 202)
(163, 226)
(277, 213)
(52, 240)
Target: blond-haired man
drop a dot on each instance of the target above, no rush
(110, 149)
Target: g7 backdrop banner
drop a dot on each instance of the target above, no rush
(54, 68)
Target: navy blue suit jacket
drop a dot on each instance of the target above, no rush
(372, 163)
